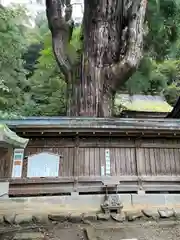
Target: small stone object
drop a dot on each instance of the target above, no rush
(132, 216)
(119, 217)
(89, 216)
(177, 213)
(112, 203)
(23, 218)
(150, 213)
(9, 218)
(75, 218)
(29, 236)
(40, 218)
(1, 219)
(166, 213)
(58, 217)
(103, 217)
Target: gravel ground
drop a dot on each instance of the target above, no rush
(101, 231)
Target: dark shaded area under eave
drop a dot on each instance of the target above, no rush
(175, 113)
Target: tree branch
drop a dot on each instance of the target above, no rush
(132, 37)
(61, 29)
(175, 113)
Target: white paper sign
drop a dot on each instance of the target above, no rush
(43, 165)
(102, 171)
(17, 163)
(108, 164)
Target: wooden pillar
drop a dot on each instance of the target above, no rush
(75, 159)
(9, 160)
(75, 163)
(6, 162)
(3, 152)
(139, 162)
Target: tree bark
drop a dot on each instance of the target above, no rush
(175, 113)
(112, 50)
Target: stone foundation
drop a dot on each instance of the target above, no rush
(155, 206)
(89, 218)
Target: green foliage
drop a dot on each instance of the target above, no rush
(159, 71)
(9, 115)
(12, 46)
(75, 46)
(47, 87)
(172, 93)
(163, 21)
(32, 84)
(155, 78)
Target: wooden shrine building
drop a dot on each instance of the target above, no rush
(66, 155)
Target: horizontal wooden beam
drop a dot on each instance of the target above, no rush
(114, 145)
(160, 145)
(92, 179)
(41, 180)
(55, 131)
(50, 190)
(54, 189)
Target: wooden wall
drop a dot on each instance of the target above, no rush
(159, 157)
(129, 157)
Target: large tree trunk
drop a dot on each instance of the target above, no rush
(112, 50)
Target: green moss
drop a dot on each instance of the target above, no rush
(142, 105)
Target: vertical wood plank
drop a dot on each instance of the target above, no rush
(177, 161)
(71, 161)
(102, 160)
(146, 162)
(167, 167)
(171, 162)
(86, 171)
(152, 162)
(123, 161)
(163, 162)
(113, 162)
(127, 161)
(97, 169)
(157, 161)
(133, 163)
(140, 161)
(91, 161)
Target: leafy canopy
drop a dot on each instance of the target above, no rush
(32, 84)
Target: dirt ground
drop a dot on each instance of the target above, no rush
(100, 231)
